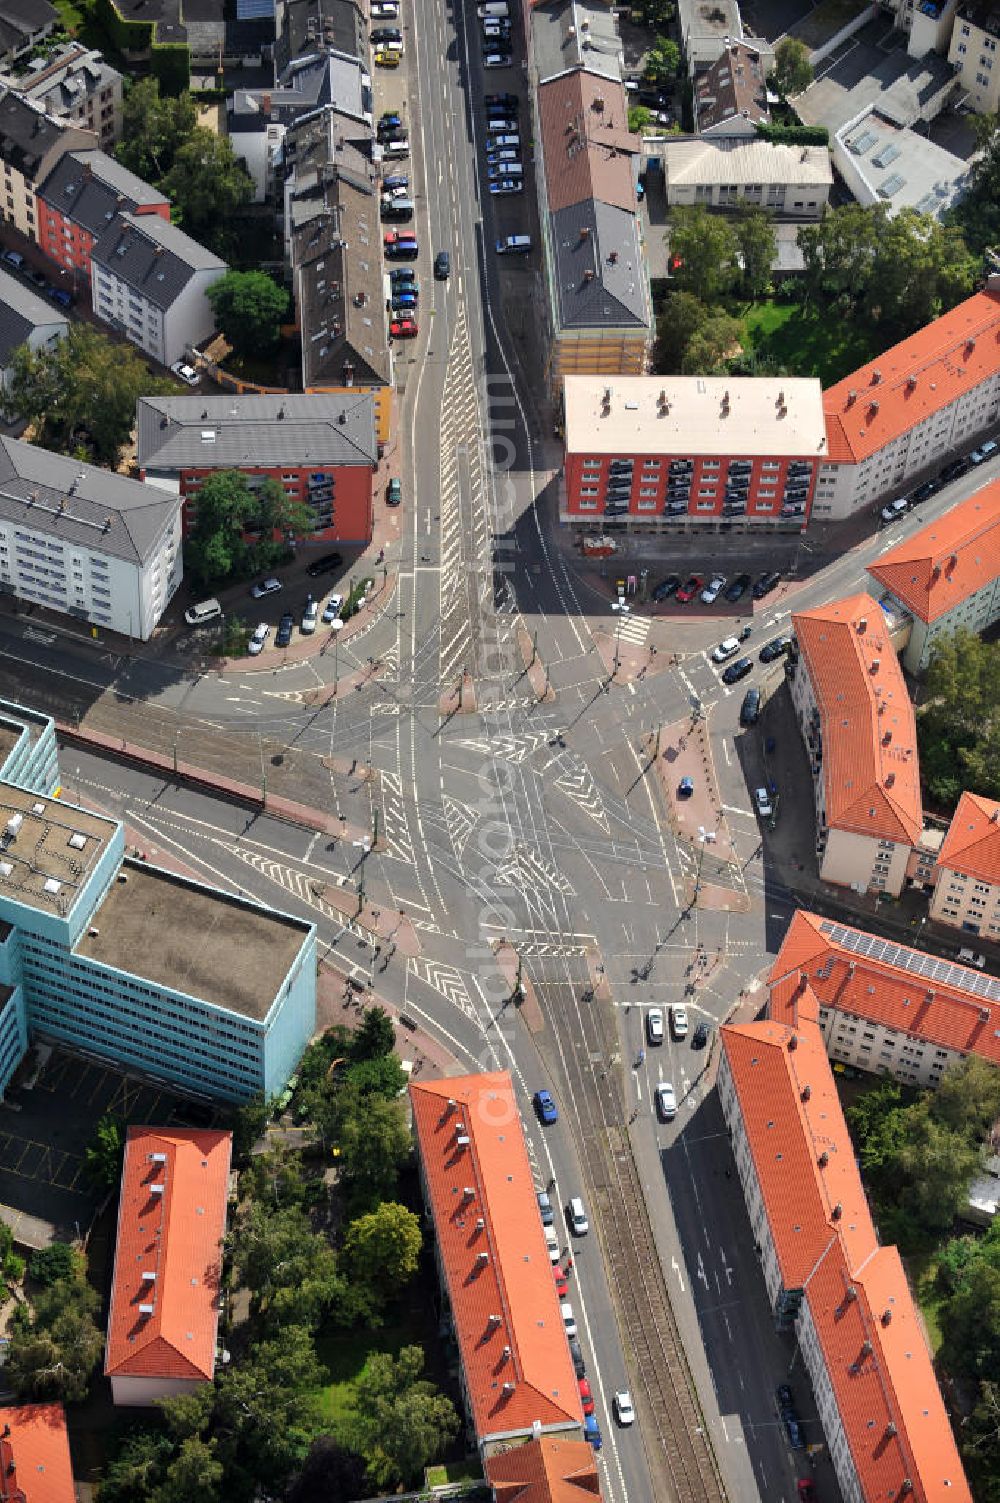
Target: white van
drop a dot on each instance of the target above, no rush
(512, 140)
(208, 610)
(497, 9)
(397, 148)
(506, 168)
(577, 1217)
(514, 245)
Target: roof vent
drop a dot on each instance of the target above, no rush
(793, 1042)
(468, 1193)
(806, 1092)
(866, 1349)
(480, 1224)
(890, 1429)
(823, 1159)
(875, 665)
(862, 625)
(887, 738)
(506, 1352)
(14, 824)
(911, 383)
(156, 1189)
(837, 1212)
(850, 1293)
(149, 1277)
(984, 1015)
(872, 408)
(585, 232)
(452, 1103)
(508, 1388)
(876, 377)
(852, 396)
(890, 778)
(970, 345)
(459, 1126)
(145, 1309)
(461, 1142)
(886, 1317)
(493, 1320)
(482, 1257)
(157, 1158)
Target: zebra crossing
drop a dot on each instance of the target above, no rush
(394, 821)
(632, 629)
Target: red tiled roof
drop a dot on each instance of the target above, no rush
(550, 1470)
(916, 378)
(175, 1234)
(493, 1256)
(948, 560)
(34, 1456)
(972, 844)
(871, 771)
(588, 150)
(939, 1008)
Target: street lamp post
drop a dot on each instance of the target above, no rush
(336, 627)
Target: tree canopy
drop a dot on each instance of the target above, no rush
(401, 1420)
(663, 60)
(248, 308)
(703, 250)
(228, 508)
(207, 184)
(105, 1153)
(757, 245)
(381, 1252)
(977, 212)
(54, 1351)
(154, 127)
(712, 345)
(958, 723)
(792, 72)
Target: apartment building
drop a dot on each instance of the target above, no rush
(76, 85)
(301, 26)
(888, 1009)
(730, 96)
(166, 1293)
(31, 143)
(150, 282)
(947, 575)
(29, 755)
(168, 977)
(78, 539)
(35, 1464)
(975, 37)
(550, 1470)
(321, 449)
(25, 318)
(515, 1371)
(789, 182)
(967, 871)
(927, 26)
(858, 1332)
(707, 31)
(691, 452)
(23, 25)
(860, 734)
(902, 412)
(79, 201)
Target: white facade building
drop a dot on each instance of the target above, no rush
(25, 318)
(975, 40)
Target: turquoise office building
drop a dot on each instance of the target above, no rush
(131, 963)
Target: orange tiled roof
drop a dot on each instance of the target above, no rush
(871, 771)
(175, 1234)
(856, 1292)
(948, 560)
(34, 1456)
(583, 126)
(493, 1256)
(550, 1470)
(972, 843)
(916, 378)
(946, 1004)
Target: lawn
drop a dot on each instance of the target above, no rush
(346, 1354)
(922, 1271)
(806, 343)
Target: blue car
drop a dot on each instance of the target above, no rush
(58, 295)
(404, 300)
(545, 1107)
(592, 1431)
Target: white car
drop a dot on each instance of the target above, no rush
(713, 589)
(763, 801)
(260, 636)
(310, 616)
(384, 10)
(332, 609)
(552, 1243)
(624, 1412)
(569, 1319)
(725, 649)
(265, 587)
(187, 373)
(654, 1025)
(679, 1022)
(666, 1101)
(895, 509)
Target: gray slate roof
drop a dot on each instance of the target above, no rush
(22, 311)
(302, 25)
(153, 256)
(614, 297)
(249, 431)
(27, 133)
(90, 188)
(21, 19)
(81, 504)
(568, 34)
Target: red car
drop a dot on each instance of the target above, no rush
(562, 1288)
(403, 328)
(586, 1397)
(397, 237)
(689, 589)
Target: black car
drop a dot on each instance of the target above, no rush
(750, 708)
(506, 101)
(737, 670)
(667, 587)
(325, 565)
(776, 648)
(924, 492)
(737, 587)
(765, 583)
(785, 1398)
(700, 1036)
(442, 266)
(576, 1353)
(285, 628)
(386, 34)
(953, 470)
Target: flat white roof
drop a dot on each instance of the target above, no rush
(731, 160)
(751, 415)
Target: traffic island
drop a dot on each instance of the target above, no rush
(522, 994)
(627, 662)
(338, 1000)
(460, 700)
(680, 755)
(391, 928)
(600, 987)
(358, 679)
(537, 673)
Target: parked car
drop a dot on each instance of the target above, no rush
(545, 1107)
(689, 589)
(776, 648)
(666, 1101)
(951, 471)
(586, 1396)
(592, 1432)
(984, 452)
(310, 615)
(666, 588)
(737, 670)
(576, 1357)
(561, 1282)
(507, 101)
(725, 649)
(763, 801)
(442, 266)
(260, 636)
(65, 300)
(765, 583)
(324, 565)
(545, 1208)
(387, 57)
(332, 609)
(576, 1217)
(568, 1318)
(497, 60)
(404, 328)
(737, 588)
(264, 587)
(678, 1021)
(285, 628)
(38, 278)
(622, 1403)
(506, 186)
(394, 492)
(924, 492)
(895, 509)
(750, 708)
(700, 1036)
(187, 373)
(654, 1025)
(710, 593)
(13, 258)
(685, 788)
(403, 276)
(551, 1244)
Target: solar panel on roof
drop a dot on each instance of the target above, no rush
(863, 143)
(888, 155)
(891, 185)
(916, 962)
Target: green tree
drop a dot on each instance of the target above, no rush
(978, 210)
(249, 1124)
(680, 319)
(276, 1178)
(840, 253)
(376, 1036)
(639, 119)
(104, 1156)
(154, 127)
(83, 388)
(655, 13)
(968, 1100)
(662, 61)
(290, 1270)
(266, 1411)
(401, 1421)
(702, 253)
(792, 69)
(249, 307)
(194, 1472)
(330, 1471)
(55, 1263)
(980, 1439)
(757, 245)
(216, 548)
(922, 268)
(958, 724)
(282, 516)
(208, 185)
(711, 346)
(374, 1145)
(137, 1467)
(54, 1355)
(376, 1077)
(935, 1166)
(970, 1323)
(381, 1251)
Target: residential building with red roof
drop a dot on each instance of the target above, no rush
(902, 412)
(967, 886)
(887, 1008)
(947, 575)
(860, 733)
(34, 1455)
(550, 1470)
(858, 1331)
(516, 1375)
(164, 1315)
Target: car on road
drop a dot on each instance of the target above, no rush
(505, 101)
(725, 649)
(654, 1025)
(667, 587)
(568, 1318)
(689, 588)
(269, 586)
(737, 670)
(685, 788)
(332, 609)
(576, 1217)
(324, 565)
(951, 471)
(384, 10)
(386, 34)
(762, 799)
(710, 593)
(404, 328)
(784, 1398)
(442, 266)
(260, 636)
(678, 1021)
(545, 1107)
(776, 648)
(750, 708)
(545, 1210)
(765, 583)
(895, 509)
(592, 1432)
(497, 60)
(576, 1357)
(310, 615)
(394, 492)
(586, 1396)
(984, 452)
(666, 1101)
(622, 1404)
(387, 57)
(806, 1490)
(551, 1244)
(924, 492)
(793, 1429)
(737, 588)
(700, 1036)
(285, 628)
(506, 186)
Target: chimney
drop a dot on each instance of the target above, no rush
(911, 383)
(806, 1092)
(876, 377)
(836, 1213)
(823, 1159)
(886, 1317)
(852, 397)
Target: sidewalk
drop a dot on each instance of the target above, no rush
(338, 1003)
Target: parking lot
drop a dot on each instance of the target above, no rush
(46, 1122)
